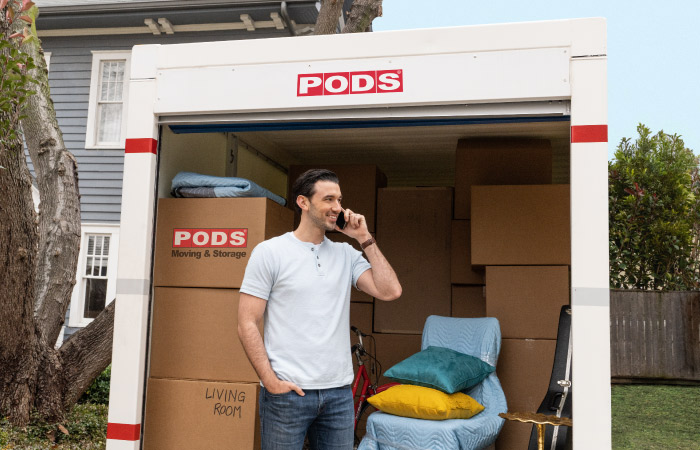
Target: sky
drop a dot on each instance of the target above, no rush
(653, 52)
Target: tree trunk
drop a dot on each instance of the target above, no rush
(328, 17)
(18, 248)
(38, 259)
(362, 13)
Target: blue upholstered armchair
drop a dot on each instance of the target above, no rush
(479, 337)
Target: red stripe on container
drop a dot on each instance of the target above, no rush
(589, 133)
(145, 145)
(124, 431)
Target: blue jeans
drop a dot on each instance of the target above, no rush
(325, 414)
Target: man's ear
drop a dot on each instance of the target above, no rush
(303, 202)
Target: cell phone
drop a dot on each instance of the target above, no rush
(340, 221)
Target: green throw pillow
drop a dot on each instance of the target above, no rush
(441, 368)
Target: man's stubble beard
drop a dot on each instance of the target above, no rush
(319, 220)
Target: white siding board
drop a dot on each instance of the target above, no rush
(100, 191)
(101, 207)
(81, 83)
(100, 200)
(71, 122)
(71, 113)
(92, 183)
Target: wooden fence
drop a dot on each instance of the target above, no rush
(655, 335)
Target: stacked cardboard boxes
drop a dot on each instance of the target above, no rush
(414, 229)
(468, 297)
(520, 237)
(498, 161)
(202, 390)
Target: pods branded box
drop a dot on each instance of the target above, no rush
(194, 335)
(207, 242)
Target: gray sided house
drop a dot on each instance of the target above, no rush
(88, 46)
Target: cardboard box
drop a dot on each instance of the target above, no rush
(358, 184)
(413, 231)
(394, 348)
(461, 267)
(527, 300)
(521, 225)
(514, 436)
(356, 295)
(206, 242)
(524, 368)
(194, 334)
(498, 161)
(201, 415)
(468, 301)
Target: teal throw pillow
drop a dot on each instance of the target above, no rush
(441, 368)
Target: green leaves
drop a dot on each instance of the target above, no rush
(14, 90)
(654, 213)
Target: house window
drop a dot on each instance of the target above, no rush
(95, 285)
(95, 277)
(109, 86)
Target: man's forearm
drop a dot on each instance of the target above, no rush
(254, 348)
(385, 279)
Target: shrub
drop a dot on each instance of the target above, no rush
(654, 194)
(98, 392)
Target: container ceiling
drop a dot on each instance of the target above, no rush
(409, 156)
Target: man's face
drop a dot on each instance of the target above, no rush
(324, 205)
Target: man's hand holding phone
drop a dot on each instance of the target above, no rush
(353, 225)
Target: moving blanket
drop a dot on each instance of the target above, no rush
(479, 337)
(189, 184)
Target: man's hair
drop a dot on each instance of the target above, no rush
(306, 184)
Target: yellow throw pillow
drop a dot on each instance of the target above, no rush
(425, 403)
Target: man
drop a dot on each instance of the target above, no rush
(300, 284)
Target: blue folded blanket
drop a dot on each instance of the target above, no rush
(189, 184)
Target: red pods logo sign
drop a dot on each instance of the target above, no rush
(343, 83)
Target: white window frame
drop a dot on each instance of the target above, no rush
(77, 303)
(91, 133)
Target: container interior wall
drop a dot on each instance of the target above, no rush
(200, 153)
(259, 168)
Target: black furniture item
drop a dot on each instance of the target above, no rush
(557, 401)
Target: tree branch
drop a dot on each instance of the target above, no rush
(328, 16)
(87, 353)
(59, 217)
(362, 13)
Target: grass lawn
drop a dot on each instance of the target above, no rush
(648, 417)
(655, 417)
